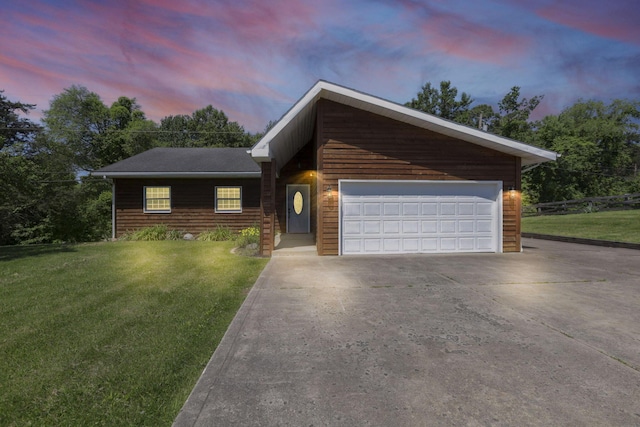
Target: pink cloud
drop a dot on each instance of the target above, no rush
(455, 35)
(617, 20)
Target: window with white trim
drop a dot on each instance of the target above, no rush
(228, 199)
(157, 199)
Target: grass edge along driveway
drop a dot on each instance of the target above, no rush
(616, 226)
(112, 333)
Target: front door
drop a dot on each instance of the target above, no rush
(298, 209)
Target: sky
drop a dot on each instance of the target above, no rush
(253, 59)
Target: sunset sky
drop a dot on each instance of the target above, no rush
(254, 58)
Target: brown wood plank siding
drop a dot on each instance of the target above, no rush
(355, 144)
(192, 205)
(267, 208)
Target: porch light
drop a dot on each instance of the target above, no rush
(512, 192)
(329, 193)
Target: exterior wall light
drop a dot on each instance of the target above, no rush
(329, 191)
(512, 192)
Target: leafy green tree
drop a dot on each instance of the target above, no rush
(95, 135)
(514, 112)
(442, 102)
(599, 150)
(13, 128)
(207, 127)
(74, 120)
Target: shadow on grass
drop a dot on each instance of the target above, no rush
(8, 253)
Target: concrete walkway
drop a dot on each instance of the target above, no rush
(550, 336)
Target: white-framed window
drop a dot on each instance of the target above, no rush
(157, 199)
(228, 199)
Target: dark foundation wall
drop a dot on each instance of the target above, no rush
(192, 205)
(355, 144)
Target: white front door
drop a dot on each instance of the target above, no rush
(386, 217)
(298, 208)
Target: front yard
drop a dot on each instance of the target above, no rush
(619, 226)
(112, 333)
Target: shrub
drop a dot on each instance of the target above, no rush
(248, 236)
(221, 233)
(155, 232)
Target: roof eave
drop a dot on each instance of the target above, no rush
(176, 174)
(263, 152)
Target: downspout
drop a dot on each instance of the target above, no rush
(113, 209)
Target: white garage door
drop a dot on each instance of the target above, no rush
(387, 217)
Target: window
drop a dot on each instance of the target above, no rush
(157, 199)
(228, 199)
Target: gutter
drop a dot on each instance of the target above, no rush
(176, 174)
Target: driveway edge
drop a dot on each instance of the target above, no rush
(594, 242)
(190, 411)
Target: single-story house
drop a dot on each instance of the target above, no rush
(361, 174)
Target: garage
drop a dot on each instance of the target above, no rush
(396, 217)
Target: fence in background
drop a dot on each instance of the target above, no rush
(590, 204)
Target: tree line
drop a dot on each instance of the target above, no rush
(47, 196)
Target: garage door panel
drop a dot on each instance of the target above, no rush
(484, 208)
(430, 226)
(447, 208)
(371, 227)
(351, 209)
(391, 227)
(411, 227)
(429, 209)
(371, 209)
(391, 245)
(447, 226)
(412, 217)
(410, 245)
(410, 208)
(466, 209)
(391, 209)
(465, 226)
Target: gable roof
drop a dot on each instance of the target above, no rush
(185, 163)
(295, 128)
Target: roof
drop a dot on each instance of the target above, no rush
(295, 128)
(185, 163)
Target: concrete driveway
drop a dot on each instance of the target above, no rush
(550, 336)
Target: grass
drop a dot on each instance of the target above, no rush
(112, 333)
(619, 226)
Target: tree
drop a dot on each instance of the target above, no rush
(74, 120)
(442, 102)
(513, 121)
(13, 128)
(599, 150)
(207, 127)
(93, 134)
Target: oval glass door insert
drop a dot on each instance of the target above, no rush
(297, 203)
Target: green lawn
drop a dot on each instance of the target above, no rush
(112, 333)
(620, 226)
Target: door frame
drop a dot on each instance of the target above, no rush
(306, 204)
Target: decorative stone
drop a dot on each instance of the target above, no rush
(188, 236)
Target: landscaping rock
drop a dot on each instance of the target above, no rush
(188, 236)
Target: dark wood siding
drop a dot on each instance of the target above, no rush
(192, 205)
(267, 208)
(355, 144)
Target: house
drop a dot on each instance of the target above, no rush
(189, 189)
(361, 174)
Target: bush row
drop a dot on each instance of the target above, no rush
(243, 238)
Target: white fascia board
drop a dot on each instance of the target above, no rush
(177, 174)
(263, 152)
